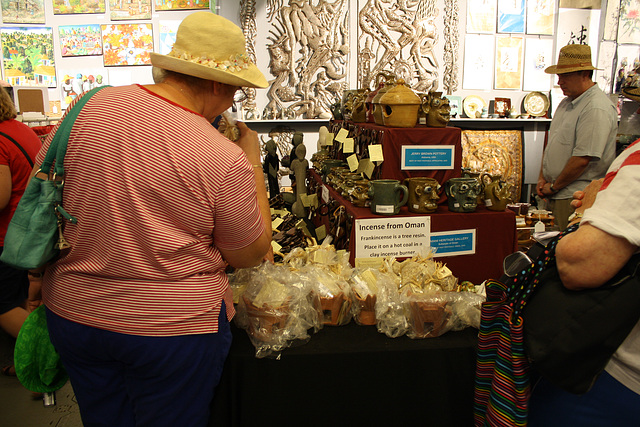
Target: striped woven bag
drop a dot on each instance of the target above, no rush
(502, 388)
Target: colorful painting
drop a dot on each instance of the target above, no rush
(22, 12)
(80, 40)
(481, 16)
(127, 44)
(28, 57)
(629, 21)
(540, 16)
(511, 16)
(168, 30)
(131, 9)
(183, 4)
(509, 62)
(68, 7)
(76, 81)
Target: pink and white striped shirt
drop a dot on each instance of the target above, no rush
(156, 190)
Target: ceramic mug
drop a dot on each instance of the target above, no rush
(462, 194)
(385, 196)
(423, 194)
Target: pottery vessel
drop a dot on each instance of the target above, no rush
(423, 194)
(400, 106)
(462, 194)
(387, 196)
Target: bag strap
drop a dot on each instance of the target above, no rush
(20, 147)
(525, 282)
(58, 147)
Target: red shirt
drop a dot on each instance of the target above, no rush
(156, 190)
(12, 156)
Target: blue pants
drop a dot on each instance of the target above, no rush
(607, 404)
(128, 380)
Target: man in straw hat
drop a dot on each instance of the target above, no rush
(582, 136)
(609, 234)
(139, 306)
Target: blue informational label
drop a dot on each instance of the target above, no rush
(427, 157)
(449, 243)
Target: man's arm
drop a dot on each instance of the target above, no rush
(571, 171)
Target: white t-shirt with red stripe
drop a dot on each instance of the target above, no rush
(616, 211)
(156, 190)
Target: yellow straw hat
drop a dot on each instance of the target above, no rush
(213, 48)
(632, 93)
(572, 57)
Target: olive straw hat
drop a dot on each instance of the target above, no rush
(632, 93)
(572, 57)
(37, 363)
(211, 47)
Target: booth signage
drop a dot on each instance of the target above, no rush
(450, 243)
(418, 157)
(392, 237)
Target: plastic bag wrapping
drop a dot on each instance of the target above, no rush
(432, 314)
(328, 271)
(418, 296)
(277, 308)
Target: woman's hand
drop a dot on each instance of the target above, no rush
(583, 200)
(249, 142)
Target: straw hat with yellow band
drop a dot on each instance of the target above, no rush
(572, 57)
(211, 47)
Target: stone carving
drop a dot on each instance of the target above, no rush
(451, 44)
(308, 57)
(249, 29)
(400, 37)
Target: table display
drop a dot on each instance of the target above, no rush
(350, 375)
(495, 233)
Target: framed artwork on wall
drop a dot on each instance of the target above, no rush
(167, 35)
(28, 58)
(481, 16)
(80, 40)
(127, 44)
(22, 12)
(69, 7)
(478, 62)
(538, 55)
(511, 16)
(184, 4)
(508, 62)
(74, 81)
(136, 9)
(629, 22)
(540, 17)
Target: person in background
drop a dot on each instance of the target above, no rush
(609, 234)
(139, 306)
(19, 145)
(582, 135)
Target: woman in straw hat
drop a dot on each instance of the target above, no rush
(139, 306)
(582, 135)
(609, 234)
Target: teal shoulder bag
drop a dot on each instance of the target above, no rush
(34, 236)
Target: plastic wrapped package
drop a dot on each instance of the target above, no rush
(389, 309)
(277, 309)
(334, 293)
(365, 294)
(432, 314)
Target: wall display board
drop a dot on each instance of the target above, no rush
(27, 56)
